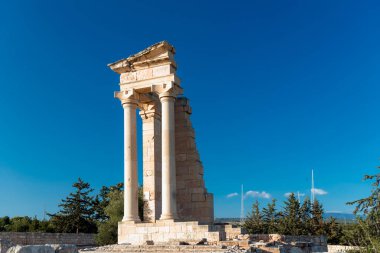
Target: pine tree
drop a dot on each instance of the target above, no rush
(333, 231)
(254, 222)
(270, 218)
(102, 200)
(317, 222)
(305, 216)
(369, 221)
(76, 214)
(370, 206)
(290, 220)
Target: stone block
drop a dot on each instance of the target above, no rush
(128, 77)
(144, 74)
(162, 70)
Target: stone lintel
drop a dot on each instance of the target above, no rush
(145, 85)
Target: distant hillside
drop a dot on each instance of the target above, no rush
(341, 217)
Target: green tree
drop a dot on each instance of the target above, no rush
(114, 212)
(317, 221)
(19, 224)
(270, 218)
(254, 222)
(76, 214)
(4, 223)
(305, 216)
(368, 217)
(34, 225)
(108, 229)
(47, 226)
(333, 231)
(102, 200)
(290, 222)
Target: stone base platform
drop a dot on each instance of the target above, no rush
(170, 231)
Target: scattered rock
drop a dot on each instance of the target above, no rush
(5, 245)
(31, 249)
(202, 242)
(64, 248)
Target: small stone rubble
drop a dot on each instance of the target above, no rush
(243, 243)
(47, 248)
(5, 245)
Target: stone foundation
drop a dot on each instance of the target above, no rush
(169, 231)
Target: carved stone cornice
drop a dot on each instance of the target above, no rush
(155, 55)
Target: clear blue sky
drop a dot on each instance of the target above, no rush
(277, 88)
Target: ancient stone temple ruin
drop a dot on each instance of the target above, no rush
(177, 205)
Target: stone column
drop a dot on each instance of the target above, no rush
(151, 131)
(169, 205)
(130, 161)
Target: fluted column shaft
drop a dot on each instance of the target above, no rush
(169, 205)
(130, 162)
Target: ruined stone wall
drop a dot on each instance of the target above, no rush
(36, 238)
(307, 243)
(341, 248)
(194, 203)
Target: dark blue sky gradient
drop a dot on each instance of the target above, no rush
(277, 88)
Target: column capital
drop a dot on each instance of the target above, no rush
(149, 110)
(127, 97)
(169, 89)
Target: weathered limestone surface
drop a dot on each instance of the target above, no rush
(166, 231)
(149, 79)
(194, 203)
(151, 131)
(174, 190)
